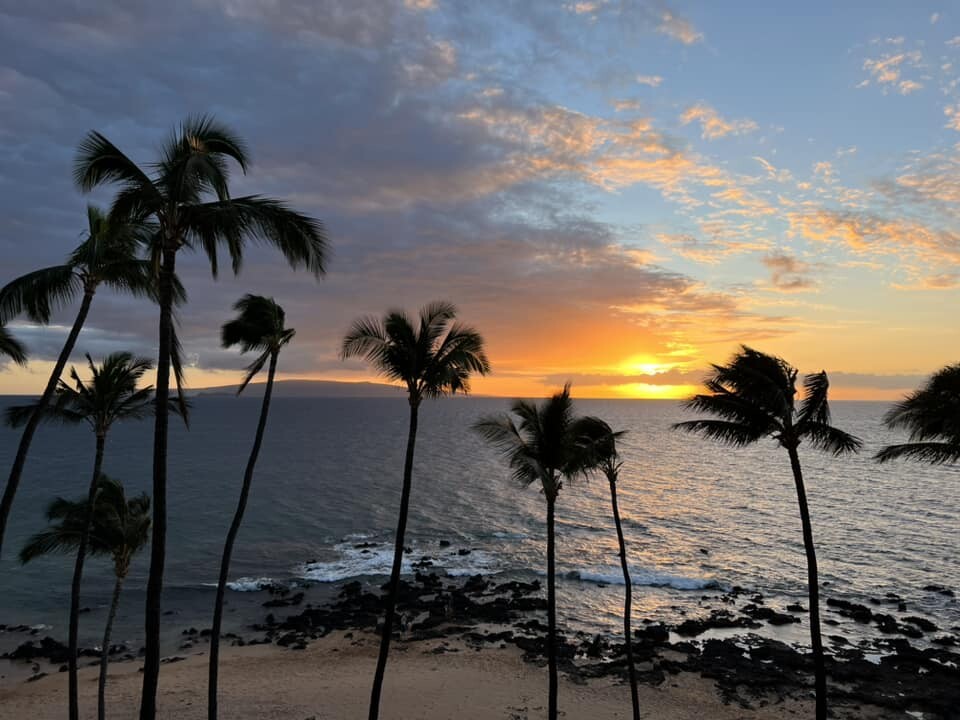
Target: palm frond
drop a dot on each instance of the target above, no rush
(98, 161)
(229, 223)
(176, 362)
(815, 408)
(252, 369)
(39, 293)
(933, 411)
(830, 439)
(730, 433)
(935, 453)
(11, 347)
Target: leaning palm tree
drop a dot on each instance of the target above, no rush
(107, 256)
(119, 529)
(754, 395)
(932, 417)
(546, 448)
(432, 359)
(186, 192)
(600, 441)
(11, 347)
(258, 327)
(109, 397)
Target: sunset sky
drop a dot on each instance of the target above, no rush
(614, 192)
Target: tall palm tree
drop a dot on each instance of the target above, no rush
(755, 397)
(932, 417)
(111, 396)
(600, 441)
(186, 192)
(258, 327)
(120, 528)
(11, 347)
(546, 447)
(107, 256)
(432, 359)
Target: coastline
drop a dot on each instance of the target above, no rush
(426, 679)
(475, 648)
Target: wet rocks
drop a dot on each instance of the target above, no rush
(717, 619)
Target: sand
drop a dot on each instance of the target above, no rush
(330, 680)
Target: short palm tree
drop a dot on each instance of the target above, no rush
(755, 397)
(107, 256)
(600, 441)
(119, 530)
(11, 347)
(546, 447)
(186, 192)
(258, 327)
(433, 358)
(111, 396)
(932, 417)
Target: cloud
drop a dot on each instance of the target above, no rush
(887, 71)
(712, 125)
(420, 4)
(649, 80)
(953, 117)
(788, 274)
(678, 28)
(934, 18)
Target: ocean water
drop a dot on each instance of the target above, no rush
(698, 517)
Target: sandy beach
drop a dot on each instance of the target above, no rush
(330, 680)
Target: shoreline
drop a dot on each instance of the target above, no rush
(499, 623)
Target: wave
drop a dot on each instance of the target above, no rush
(377, 559)
(644, 578)
(246, 584)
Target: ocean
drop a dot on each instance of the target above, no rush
(699, 518)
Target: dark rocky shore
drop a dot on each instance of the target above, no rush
(892, 673)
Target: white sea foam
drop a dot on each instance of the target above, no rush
(246, 584)
(353, 561)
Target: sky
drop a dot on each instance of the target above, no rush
(615, 193)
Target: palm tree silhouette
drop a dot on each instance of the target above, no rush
(932, 417)
(110, 397)
(258, 327)
(600, 441)
(187, 195)
(119, 529)
(546, 447)
(107, 256)
(755, 397)
(12, 348)
(433, 359)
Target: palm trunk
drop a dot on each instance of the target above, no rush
(21, 458)
(627, 601)
(551, 612)
(231, 539)
(151, 662)
(395, 570)
(105, 653)
(74, 631)
(813, 590)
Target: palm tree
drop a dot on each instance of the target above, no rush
(110, 397)
(187, 193)
(432, 360)
(259, 327)
(754, 396)
(107, 256)
(546, 448)
(932, 416)
(600, 441)
(119, 529)
(11, 347)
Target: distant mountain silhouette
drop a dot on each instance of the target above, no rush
(308, 388)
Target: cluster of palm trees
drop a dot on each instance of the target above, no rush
(182, 202)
